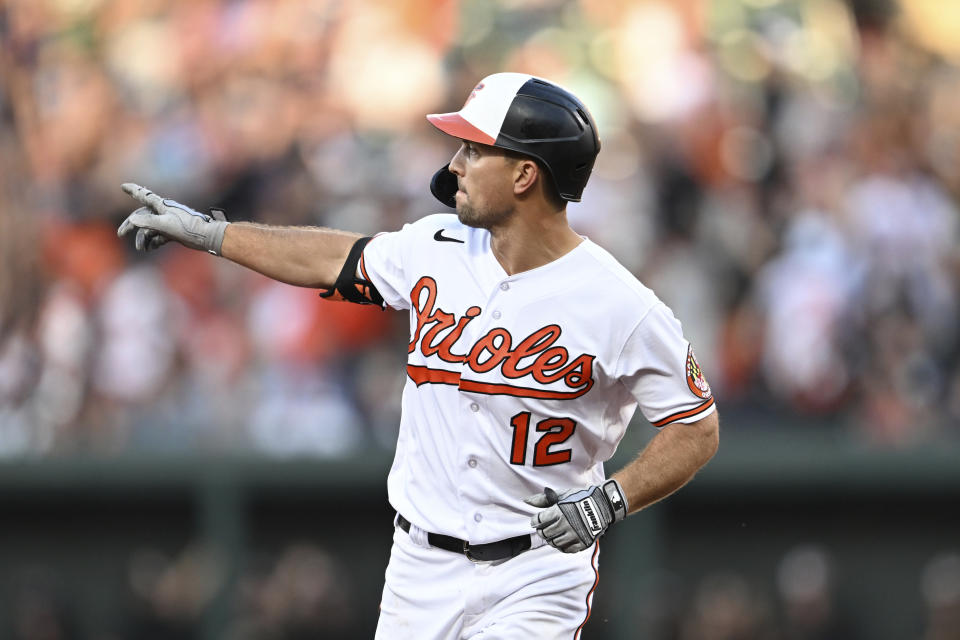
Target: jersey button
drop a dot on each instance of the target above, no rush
(496, 315)
(472, 463)
(474, 407)
(504, 286)
(477, 517)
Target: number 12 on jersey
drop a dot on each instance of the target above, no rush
(557, 431)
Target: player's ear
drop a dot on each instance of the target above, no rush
(525, 174)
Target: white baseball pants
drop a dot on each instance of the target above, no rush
(433, 594)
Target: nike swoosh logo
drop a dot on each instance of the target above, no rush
(439, 237)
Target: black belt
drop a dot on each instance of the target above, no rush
(489, 552)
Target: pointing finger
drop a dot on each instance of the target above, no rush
(142, 195)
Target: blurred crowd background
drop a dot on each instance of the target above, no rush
(784, 174)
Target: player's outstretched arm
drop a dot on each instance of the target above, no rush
(302, 256)
(573, 520)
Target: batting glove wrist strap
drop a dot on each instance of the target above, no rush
(573, 520)
(616, 498)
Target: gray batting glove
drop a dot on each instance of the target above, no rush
(160, 220)
(572, 520)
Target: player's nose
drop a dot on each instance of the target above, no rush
(456, 163)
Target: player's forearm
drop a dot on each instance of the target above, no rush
(669, 461)
(302, 256)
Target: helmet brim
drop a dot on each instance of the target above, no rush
(457, 126)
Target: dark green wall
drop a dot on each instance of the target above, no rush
(71, 527)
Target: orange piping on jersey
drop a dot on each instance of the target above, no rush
(364, 290)
(363, 269)
(596, 581)
(422, 375)
(684, 414)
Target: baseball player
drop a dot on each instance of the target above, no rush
(530, 349)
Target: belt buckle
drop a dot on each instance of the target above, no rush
(466, 552)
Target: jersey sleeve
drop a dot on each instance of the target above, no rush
(391, 259)
(658, 367)
(383, 262)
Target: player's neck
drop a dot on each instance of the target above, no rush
(530, 241)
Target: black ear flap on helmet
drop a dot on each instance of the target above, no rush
(443, 186)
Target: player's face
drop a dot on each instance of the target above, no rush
(485, 185)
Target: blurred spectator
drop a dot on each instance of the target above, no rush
(41, 608)
(803, 293)
(725, 607)
(940, 584)
(302, 592)
(169, 595)
(809, 609)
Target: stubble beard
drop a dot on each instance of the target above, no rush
(472, 217)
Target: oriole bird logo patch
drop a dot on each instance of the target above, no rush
(695, 380)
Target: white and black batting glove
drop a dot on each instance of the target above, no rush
(572, 520)
(161, 220)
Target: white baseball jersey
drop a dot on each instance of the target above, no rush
(517, 382)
